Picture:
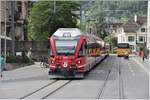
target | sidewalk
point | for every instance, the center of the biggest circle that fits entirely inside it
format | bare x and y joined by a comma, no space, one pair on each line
21,81
145,65
146,61
24,72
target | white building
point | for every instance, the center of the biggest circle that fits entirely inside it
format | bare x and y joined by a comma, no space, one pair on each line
134,33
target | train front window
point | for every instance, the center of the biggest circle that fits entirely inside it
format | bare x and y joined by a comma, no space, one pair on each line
66,47
123,45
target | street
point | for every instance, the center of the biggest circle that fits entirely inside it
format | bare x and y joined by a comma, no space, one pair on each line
113,78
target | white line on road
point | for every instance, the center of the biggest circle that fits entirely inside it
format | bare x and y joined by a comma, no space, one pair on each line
141,65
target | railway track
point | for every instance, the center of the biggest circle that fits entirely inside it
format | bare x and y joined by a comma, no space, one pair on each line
46,90
121,87
104,84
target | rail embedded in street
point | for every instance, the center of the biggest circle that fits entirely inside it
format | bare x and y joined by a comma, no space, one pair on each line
105,82
29,94
48,90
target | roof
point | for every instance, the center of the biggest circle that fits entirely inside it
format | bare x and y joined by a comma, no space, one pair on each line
132,26
141,20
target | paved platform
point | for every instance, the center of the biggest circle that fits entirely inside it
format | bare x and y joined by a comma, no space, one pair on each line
17,82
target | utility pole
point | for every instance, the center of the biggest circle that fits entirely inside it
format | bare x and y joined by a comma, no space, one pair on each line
80,14
0,39
13,26
148,27
5,45
54,6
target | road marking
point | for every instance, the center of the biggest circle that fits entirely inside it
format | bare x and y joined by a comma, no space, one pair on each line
141,65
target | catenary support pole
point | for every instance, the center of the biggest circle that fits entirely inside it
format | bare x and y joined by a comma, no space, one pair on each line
0,39
13,26
5,45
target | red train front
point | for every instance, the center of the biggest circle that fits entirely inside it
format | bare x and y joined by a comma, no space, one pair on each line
72,53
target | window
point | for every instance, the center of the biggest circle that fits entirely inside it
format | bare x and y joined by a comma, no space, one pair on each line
82,51
123,45
65,47
141,38
142,29
19,4
130,38
132,47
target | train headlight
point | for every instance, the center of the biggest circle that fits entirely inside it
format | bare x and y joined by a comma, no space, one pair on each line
65,64
79,62
52,62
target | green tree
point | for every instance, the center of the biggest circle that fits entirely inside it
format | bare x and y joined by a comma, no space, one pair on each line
112,41
43,20
96,18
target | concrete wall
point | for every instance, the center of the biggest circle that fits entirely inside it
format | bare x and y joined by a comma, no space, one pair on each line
39,48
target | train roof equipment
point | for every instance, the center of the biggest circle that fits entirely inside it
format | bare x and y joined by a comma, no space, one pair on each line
68,32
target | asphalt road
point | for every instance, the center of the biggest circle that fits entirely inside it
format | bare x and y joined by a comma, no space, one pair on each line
113,78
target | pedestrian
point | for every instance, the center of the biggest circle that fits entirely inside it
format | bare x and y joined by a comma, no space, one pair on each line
142,54
29,54
2,62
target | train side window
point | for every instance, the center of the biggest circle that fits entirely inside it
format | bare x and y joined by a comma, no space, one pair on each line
85,45
82,51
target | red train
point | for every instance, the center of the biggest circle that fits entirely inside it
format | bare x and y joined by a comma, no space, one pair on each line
73,53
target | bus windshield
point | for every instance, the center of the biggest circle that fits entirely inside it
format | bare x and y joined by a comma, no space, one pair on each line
66,47
123,45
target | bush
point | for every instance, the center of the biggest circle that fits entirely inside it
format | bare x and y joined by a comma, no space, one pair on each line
18,59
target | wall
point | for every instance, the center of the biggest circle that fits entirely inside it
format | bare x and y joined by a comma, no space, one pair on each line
39,48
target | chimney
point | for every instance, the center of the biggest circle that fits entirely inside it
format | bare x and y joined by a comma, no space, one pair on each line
135,18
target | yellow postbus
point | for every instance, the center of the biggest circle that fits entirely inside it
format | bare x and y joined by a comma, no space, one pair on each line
123,49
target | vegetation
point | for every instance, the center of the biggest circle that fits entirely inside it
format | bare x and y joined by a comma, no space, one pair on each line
112,40
44,20
18,59
102,11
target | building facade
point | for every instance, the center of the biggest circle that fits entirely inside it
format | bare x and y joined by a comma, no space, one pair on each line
134,32
13,15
